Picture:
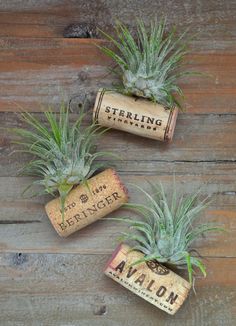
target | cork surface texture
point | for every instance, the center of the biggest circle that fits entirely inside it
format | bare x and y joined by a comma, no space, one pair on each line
151,281
85,204
49,280
135,115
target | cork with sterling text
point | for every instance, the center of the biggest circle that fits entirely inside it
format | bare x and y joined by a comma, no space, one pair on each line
87,203
150,280
134,115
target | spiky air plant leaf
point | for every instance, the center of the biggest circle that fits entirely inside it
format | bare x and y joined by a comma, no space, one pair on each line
63,153
166,231
149,61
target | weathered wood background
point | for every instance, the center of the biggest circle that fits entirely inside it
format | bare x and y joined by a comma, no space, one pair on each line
45,280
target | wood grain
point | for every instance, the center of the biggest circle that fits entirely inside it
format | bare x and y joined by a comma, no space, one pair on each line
30,230
36,72
187,146
214,21
56,289
39,67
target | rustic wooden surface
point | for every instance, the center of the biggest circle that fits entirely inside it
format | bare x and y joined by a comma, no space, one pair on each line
46,280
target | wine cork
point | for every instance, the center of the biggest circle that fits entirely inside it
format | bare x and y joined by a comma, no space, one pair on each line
150,280
135,115
85,204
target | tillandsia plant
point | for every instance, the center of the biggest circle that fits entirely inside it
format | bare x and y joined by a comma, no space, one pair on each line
160,238
64,153
64,156
149,61
167,230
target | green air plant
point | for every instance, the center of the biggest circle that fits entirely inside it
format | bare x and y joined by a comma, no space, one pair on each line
149,61
63,152
167,231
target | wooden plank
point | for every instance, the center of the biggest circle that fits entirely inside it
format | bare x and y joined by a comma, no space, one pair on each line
187,145
213,20
188,154
140,167
77,67
25,226
57,289
25,29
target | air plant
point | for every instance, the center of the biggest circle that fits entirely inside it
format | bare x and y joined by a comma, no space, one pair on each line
63,153
149,61
167,230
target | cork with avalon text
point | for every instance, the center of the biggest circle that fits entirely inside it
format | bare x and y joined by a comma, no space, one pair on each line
135,115
150,280
85,204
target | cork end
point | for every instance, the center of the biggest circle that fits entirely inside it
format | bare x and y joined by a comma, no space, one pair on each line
121,184
171,125
114,254
187,287
97,104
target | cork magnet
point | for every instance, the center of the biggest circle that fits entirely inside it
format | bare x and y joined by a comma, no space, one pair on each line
150,280
134,115
87,203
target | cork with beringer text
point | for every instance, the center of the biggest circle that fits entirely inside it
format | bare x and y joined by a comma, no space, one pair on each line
150,280
134,115
87,203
